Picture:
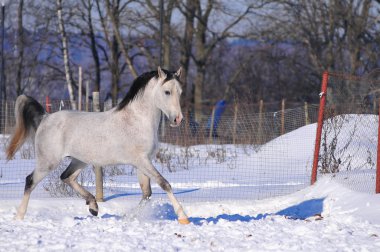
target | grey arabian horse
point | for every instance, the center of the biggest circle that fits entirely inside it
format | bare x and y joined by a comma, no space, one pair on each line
127,134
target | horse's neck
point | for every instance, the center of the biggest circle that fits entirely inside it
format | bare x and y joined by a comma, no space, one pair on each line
145,106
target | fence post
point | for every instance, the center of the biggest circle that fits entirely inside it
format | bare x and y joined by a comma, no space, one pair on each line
322,103
283,116
212,125
374,106
234,125
95,102
48,104
98,169
162,124
80,89
87,94
6,119
378,156
306,108
260,131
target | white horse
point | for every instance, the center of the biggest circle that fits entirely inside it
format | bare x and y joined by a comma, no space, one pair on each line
127,134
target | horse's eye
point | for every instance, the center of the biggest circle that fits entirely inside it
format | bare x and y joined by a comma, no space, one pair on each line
167,92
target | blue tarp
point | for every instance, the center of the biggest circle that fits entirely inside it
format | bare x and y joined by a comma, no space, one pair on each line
220,107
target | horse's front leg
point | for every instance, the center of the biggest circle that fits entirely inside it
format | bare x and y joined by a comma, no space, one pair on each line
145,166
144,182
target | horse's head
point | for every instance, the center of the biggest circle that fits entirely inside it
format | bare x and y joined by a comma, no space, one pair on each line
167,95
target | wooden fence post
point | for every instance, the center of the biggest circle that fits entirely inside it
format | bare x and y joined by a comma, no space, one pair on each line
374,105
98,169
6,118
234,125
260,131
163,124
283,116
377,189
211,131
95,102
306,108
87,95
80,89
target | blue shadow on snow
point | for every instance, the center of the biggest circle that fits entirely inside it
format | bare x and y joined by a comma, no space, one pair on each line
303,210
119,195
300,211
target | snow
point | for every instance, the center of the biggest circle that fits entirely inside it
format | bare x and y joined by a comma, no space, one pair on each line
327,216
350,223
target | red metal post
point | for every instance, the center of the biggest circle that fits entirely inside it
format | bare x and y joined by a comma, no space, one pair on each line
322,103
48,104
378,156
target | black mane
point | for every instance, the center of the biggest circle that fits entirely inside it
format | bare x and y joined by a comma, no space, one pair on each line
139,85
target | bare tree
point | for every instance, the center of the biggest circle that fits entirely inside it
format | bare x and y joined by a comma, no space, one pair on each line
338,34
166,28
65,52
20,47
86,14
112,54
113,11
206,41
186,42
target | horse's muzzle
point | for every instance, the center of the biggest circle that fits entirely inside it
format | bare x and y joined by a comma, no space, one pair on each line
177,121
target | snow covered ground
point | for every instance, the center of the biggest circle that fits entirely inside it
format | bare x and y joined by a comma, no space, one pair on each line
350,223
219,195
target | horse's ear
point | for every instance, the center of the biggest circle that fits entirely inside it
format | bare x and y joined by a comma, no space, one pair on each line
161,74
179,72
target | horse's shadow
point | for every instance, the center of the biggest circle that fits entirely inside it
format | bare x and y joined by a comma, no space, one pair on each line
300,211
303,210
119,195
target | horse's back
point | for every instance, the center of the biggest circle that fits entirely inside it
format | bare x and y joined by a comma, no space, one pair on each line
99,138
64,133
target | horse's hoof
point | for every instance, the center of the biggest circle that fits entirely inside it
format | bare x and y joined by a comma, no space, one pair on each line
93,212
17,217
184,221
144,202
93,208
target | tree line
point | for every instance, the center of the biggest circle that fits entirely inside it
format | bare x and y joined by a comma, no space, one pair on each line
241,50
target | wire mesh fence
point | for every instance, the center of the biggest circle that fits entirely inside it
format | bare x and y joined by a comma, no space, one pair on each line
237,154
235,151
350,131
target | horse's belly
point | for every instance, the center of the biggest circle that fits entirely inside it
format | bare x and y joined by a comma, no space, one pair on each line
112,153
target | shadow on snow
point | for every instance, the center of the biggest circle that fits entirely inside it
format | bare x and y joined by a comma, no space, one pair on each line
119,195
300,211
303,210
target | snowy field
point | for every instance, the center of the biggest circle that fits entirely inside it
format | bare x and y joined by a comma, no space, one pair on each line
221,200
350,223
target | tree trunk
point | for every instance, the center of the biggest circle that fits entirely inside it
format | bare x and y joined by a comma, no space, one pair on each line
166,34
198,88
66,59
186,46
115,71
20,48
94,50
200,57
115,25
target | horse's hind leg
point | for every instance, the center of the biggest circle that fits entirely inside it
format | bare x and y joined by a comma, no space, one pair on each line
70,175
31,182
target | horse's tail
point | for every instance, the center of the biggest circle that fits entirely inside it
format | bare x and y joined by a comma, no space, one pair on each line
29,114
